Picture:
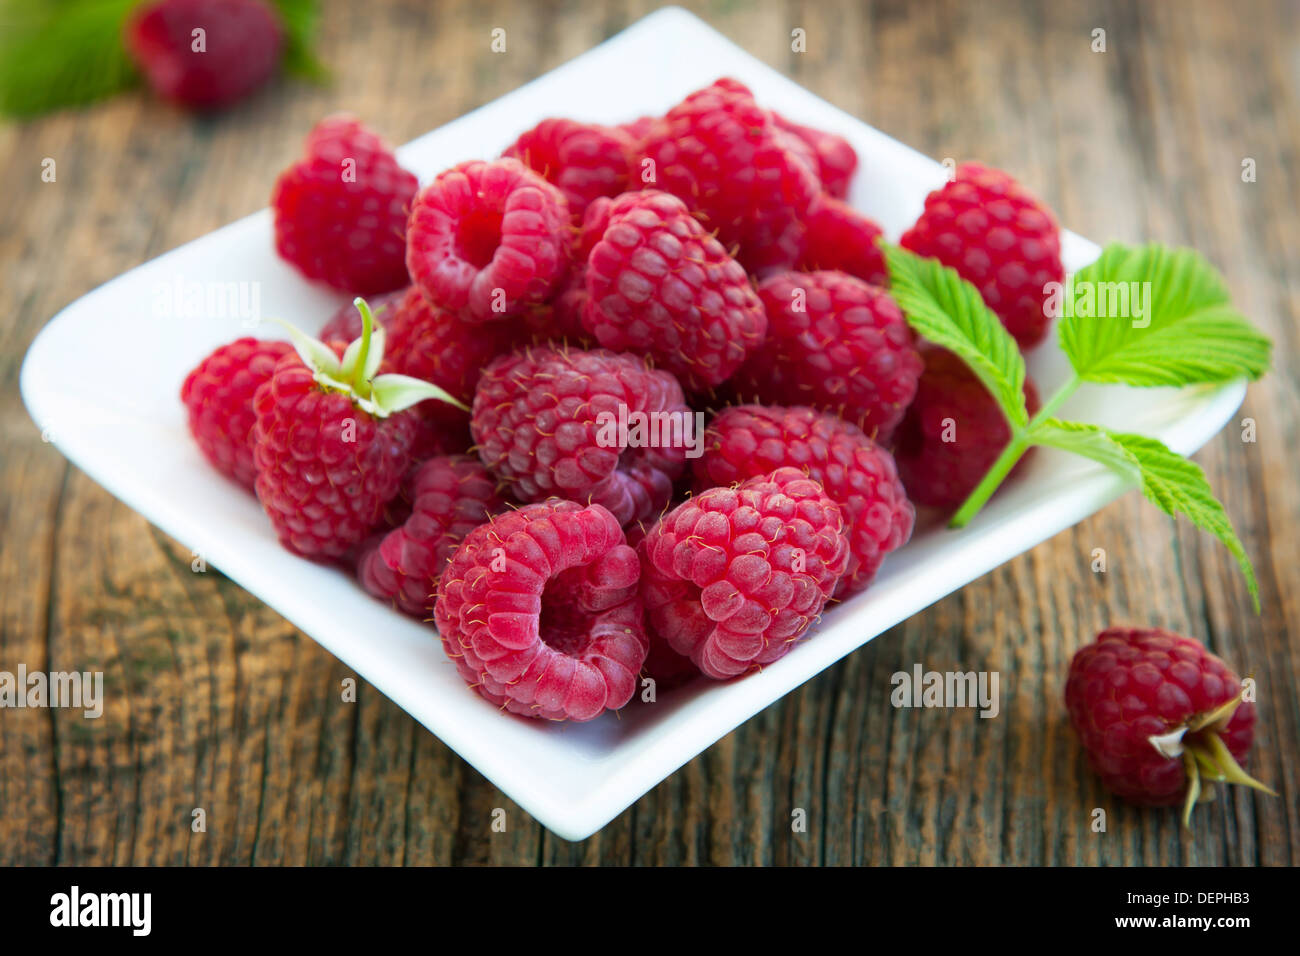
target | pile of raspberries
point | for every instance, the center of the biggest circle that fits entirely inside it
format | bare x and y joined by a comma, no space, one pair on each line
705,261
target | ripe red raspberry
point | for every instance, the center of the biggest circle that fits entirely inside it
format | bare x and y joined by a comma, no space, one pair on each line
834,159
834,343
838,237
333,441
325,469
952,433
734,576
487,240
1156,711
720,153
449,496
540,612
857,474
241,45
583,160
1000,238
545,421
659,285
340,212
218,397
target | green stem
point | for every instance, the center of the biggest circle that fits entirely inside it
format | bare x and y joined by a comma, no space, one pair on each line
1021,439
367,323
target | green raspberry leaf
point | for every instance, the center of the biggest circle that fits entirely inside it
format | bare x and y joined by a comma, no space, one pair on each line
299,18
947,310
1151,315
61,53
1175,484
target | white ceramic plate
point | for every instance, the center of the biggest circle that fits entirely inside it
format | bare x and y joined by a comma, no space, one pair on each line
573,778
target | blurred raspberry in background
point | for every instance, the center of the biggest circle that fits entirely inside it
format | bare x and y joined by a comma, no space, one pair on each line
200,54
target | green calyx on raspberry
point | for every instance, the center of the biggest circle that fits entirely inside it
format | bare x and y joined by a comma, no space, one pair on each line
1205,755
354,374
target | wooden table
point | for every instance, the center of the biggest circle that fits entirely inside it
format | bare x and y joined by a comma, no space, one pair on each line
216,702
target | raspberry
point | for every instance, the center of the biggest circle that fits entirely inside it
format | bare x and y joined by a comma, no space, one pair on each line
952,433
333,441
838,237
834,343
218,397
242,43
340,212
720,153
834,160
486,240
734,576
325,469
540,612
583,160
658,284
856,473
1149,705
1000,238
544,420
450,496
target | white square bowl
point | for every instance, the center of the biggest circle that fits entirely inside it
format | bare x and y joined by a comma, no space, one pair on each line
573,778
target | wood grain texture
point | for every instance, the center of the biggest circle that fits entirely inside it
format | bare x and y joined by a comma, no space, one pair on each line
214,701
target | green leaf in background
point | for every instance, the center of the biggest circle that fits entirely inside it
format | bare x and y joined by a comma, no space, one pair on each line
1189,332
1172,482
945,309
56,54
299,18
59,53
